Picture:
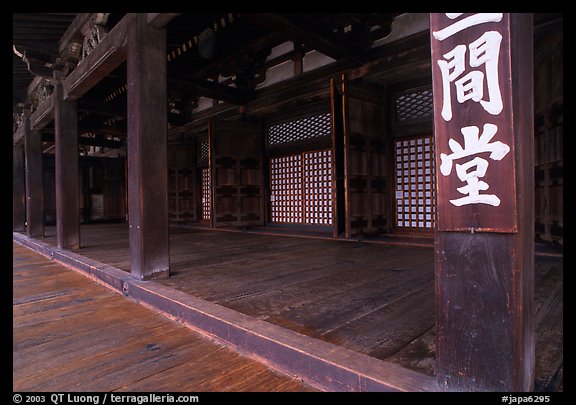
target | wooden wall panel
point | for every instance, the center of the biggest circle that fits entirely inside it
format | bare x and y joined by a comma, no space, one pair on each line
18,190
365,183
236,170
183,182
549,137
33,177
114,189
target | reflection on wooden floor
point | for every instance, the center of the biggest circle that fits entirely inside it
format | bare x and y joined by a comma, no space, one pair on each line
372,298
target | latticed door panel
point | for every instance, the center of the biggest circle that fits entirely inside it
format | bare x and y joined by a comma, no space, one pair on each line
415,207
286,189
301,188
206,200
318,187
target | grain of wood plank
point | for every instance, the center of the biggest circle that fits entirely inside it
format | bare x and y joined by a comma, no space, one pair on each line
111,343
332,290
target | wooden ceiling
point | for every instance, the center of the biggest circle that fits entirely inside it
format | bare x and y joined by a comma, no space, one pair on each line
216,55
35,35
235,64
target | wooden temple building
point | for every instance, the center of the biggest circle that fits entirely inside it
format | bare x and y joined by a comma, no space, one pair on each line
363,201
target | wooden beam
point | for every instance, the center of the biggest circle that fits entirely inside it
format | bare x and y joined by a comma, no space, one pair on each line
102,108
18,136
32,86
214,65
107,56
18,190
34,180
160,20
330,43
484,248
43,115
75,31
82,140
66,161
395,57
147,150
201,87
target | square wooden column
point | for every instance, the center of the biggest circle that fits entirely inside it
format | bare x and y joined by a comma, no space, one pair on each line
18,190
66,160
482,72
147,150
34,180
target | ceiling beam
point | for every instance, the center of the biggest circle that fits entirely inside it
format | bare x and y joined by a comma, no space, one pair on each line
160,20
303,29
106,57
75,31
266,41
201,87
43,115
101,108
83,140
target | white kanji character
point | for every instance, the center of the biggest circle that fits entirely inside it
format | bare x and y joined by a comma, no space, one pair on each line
473,145
451,68
474,19
485,50
475,185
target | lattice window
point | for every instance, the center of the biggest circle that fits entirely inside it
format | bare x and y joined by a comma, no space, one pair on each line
297,130
206,193
414,105
318,187
204,149
301,188
286,189
415,196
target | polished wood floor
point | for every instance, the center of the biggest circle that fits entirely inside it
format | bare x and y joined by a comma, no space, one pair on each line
71,334
373,298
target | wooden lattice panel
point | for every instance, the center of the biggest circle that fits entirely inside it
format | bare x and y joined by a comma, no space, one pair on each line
414,105
204,149
300,129
286,189
206,201
318,187
415,183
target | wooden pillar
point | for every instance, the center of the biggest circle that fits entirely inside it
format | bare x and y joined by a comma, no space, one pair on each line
66,161
18,190
147,150
34,180
482,69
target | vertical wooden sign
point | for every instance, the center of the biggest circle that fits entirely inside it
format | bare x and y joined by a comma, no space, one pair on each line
484,244
473,122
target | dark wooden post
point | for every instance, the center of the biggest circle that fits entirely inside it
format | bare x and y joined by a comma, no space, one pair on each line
147,150
18,190
482,69
34,180
66,160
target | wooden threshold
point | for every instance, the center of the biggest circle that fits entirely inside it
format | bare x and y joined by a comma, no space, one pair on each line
298,232
321,364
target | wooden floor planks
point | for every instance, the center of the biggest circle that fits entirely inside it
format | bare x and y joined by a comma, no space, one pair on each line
372,298
71,334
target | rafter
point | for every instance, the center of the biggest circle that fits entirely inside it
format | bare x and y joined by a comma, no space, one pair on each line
83,140
330,43
209,89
